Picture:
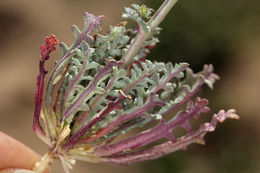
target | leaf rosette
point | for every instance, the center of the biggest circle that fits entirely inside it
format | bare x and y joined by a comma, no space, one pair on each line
91,98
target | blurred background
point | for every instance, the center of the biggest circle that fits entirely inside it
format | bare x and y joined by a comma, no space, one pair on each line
223,33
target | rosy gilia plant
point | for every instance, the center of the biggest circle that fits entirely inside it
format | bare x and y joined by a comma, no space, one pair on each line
103,86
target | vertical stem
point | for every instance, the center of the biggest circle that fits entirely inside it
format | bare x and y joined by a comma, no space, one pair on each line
48,158
44,163
161,13
128,57
140,38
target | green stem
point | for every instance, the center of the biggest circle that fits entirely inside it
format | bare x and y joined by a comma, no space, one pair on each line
142,36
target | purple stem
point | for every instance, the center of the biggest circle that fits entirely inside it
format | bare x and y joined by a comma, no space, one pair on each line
83,117
92,24
205,74
46,49
138,80
162,130
38,97
169,147
124,118
57,100
74,138
170,76
106,70
139,111
74,81
188,96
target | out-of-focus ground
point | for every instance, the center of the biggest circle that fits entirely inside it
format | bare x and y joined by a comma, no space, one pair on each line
196,32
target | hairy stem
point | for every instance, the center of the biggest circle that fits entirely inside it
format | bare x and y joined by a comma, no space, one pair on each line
140,38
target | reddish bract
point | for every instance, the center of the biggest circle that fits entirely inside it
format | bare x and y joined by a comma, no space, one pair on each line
49,45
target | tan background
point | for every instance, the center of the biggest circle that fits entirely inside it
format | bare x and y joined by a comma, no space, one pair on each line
25,23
